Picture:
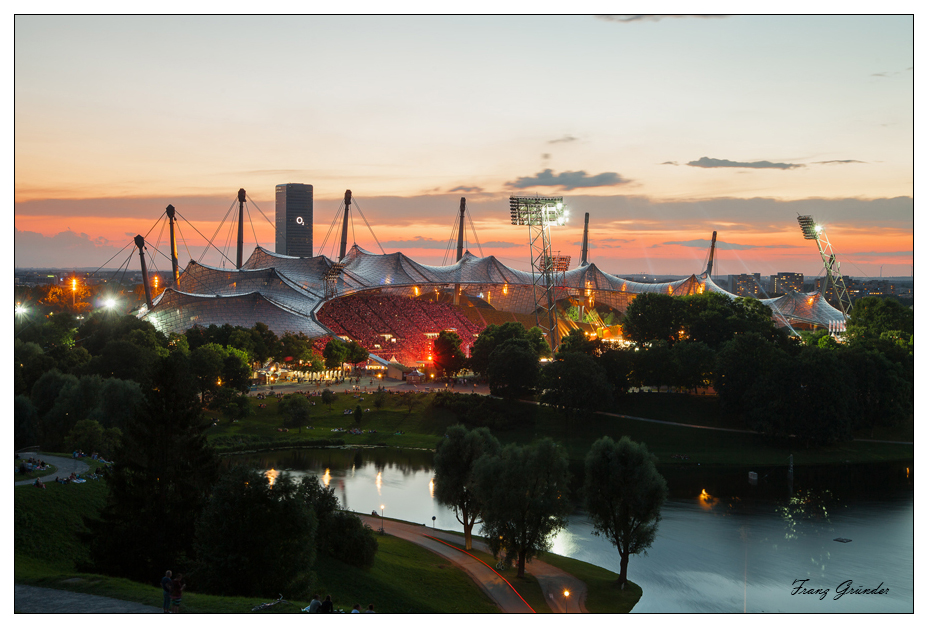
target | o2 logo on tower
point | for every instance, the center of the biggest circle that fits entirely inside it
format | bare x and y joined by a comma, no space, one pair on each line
300,220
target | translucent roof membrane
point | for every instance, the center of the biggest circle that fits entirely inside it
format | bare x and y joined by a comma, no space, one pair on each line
284,292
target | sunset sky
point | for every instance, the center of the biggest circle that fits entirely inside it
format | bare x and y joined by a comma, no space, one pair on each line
664,129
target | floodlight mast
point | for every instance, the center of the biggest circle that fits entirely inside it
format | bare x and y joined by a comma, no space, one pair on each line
539,213
813,231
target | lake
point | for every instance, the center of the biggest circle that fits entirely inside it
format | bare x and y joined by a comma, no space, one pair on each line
723,545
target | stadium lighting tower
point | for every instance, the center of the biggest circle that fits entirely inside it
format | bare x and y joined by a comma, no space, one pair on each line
813,231
540,213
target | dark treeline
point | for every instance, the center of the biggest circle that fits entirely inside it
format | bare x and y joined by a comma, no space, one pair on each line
811,387
118,387
814,388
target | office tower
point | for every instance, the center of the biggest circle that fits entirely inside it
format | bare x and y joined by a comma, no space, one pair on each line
745,285
293,218
782,282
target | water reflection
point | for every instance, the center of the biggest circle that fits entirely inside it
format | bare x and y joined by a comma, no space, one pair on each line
722,545
272,476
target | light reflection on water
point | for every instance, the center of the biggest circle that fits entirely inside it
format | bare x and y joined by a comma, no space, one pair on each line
712,553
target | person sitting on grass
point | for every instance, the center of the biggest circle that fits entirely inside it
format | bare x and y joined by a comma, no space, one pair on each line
39,483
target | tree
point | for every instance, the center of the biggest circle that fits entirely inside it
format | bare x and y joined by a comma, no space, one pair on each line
409,400
524,491
207,362
355,354
454,472
652,316
380,398
623,494
237,371
577,341
654,365
739,363
296,408
238,408
89,436
808,396
447,354
328,398
694,364
513,369
617,365
575,384
339,534
872,316
493,336
255,538
335,353
164,469
25,423
358,415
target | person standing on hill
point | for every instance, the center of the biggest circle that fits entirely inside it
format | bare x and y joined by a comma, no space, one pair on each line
166,587
177,590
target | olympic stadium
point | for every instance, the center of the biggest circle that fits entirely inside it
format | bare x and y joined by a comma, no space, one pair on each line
395,306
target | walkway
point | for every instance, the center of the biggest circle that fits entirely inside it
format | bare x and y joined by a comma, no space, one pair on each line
28,599
552,580
64,467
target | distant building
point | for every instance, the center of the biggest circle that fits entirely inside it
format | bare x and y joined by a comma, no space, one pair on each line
745,285
829,293
781,283
293,217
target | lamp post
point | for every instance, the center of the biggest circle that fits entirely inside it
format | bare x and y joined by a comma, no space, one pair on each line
382,518
566,594
73,292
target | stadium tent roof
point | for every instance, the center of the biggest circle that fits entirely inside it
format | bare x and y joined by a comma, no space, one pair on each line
285,292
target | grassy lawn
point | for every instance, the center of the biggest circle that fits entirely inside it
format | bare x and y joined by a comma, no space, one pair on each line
424,427
603,594
421,427
404,578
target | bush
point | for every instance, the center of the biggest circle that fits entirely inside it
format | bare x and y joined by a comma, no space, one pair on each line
483,411
340,534
355,543
254,538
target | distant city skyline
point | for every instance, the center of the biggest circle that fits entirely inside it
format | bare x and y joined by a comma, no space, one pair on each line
663,129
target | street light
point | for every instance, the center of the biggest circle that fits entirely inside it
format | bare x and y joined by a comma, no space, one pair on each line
382,518
73,291
566,594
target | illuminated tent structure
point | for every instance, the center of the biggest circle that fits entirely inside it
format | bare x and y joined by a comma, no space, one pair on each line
286,293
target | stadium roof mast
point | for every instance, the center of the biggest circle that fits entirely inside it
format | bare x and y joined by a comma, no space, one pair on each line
539,214
240,239
584,243
348,206
709,264
460,252
169,210
813,231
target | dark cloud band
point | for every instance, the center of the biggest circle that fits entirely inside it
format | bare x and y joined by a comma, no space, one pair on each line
710,162
568,180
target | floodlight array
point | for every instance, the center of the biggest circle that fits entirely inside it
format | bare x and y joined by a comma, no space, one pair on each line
810,231
537,210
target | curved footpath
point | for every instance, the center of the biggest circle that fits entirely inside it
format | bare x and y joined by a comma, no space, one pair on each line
65,466
552,580
28,599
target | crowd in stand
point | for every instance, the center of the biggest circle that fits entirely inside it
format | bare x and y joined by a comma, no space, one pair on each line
369,319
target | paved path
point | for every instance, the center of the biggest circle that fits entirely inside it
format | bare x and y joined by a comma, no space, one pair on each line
496,588
28,599
553,581
64,466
